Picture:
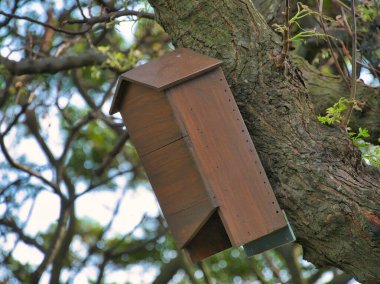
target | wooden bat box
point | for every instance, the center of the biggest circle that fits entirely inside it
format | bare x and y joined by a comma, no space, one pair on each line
199,157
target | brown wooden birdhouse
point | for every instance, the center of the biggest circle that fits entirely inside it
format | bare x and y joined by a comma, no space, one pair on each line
199,156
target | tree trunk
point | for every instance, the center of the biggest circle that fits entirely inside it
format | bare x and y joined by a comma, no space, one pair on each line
330,196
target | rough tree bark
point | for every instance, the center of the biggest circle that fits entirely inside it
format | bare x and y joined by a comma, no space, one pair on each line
330,196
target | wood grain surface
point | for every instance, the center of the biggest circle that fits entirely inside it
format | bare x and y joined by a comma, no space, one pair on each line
180,190
149,118
226,157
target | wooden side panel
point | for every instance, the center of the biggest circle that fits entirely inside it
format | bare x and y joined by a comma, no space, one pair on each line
211,239
227,157
149,118
180,190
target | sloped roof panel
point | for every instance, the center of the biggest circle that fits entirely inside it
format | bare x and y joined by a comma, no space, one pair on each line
162,73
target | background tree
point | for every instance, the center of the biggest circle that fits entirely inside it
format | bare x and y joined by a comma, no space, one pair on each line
59,63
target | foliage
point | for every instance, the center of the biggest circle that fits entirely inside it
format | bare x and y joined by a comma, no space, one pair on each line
302,12
334,114
370,152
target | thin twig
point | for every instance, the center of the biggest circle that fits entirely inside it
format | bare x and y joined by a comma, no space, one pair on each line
346,119
23,168
9,15
347,26
206,272
108,93
15,120
11,224
73,134
31,122
368,66
342,52
17,182
88,22
341,4
119,145
113,15
272,267
81,10
322,24
7,20
93,186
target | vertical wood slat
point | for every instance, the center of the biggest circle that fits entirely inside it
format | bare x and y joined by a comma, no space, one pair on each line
227,157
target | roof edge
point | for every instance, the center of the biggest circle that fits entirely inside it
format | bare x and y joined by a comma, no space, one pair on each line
130,76
174,82
116,101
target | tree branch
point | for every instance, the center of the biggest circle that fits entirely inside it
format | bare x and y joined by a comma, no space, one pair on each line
80,9
292,264
111,155
55,244
168,270
32,123
87,22
74,131
81,89
111,16
25,168
346,119
53,64
63,251
84,30
8,19
26,239
275,270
